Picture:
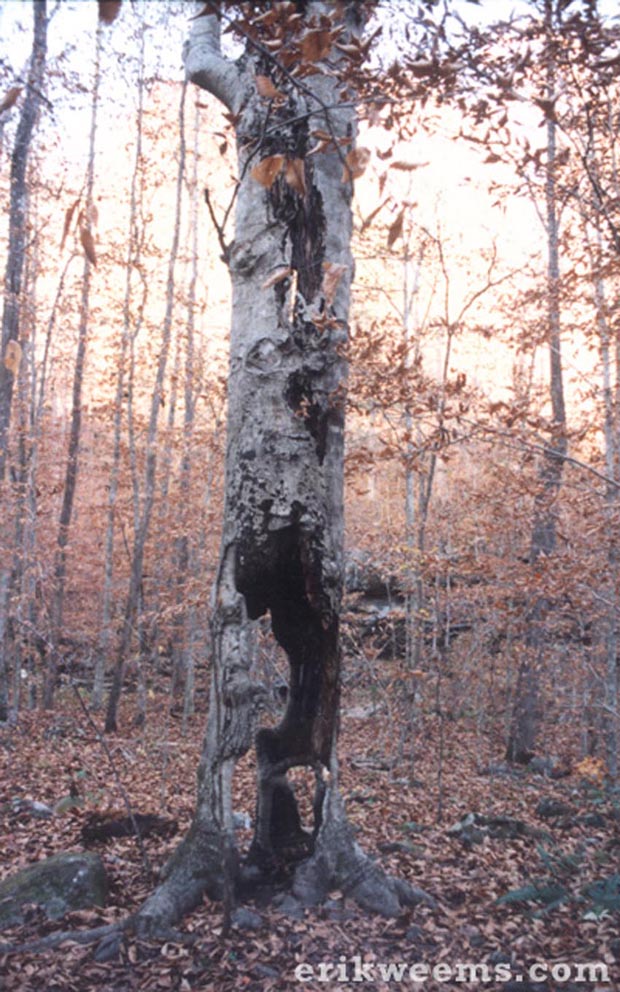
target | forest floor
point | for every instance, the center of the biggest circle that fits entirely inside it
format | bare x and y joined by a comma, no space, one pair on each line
552,845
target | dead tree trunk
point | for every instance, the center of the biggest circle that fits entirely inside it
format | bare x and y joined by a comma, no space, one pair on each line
281,551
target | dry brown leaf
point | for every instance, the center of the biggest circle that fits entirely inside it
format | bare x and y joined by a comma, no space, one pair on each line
315,45
304,69
283,272
396,229
371,216
69,212
321,146
267,19
422,67
356,161
88,244
351,50
12,357
10,99
288,58
407,166
266,88
268,170
295,175
109,10
324,140
332,274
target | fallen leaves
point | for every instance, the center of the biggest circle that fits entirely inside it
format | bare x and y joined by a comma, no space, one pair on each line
393,813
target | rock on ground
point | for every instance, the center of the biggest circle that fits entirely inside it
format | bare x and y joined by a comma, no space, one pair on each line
58,885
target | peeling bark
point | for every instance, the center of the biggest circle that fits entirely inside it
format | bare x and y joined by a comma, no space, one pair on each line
282,536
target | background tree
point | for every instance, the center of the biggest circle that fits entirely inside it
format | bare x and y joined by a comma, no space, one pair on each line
18,215
13,278
86,222
526,715
150,475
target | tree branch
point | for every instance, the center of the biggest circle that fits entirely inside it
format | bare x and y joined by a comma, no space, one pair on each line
205,65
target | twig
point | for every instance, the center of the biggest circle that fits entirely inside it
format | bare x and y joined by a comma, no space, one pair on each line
516,444
219,228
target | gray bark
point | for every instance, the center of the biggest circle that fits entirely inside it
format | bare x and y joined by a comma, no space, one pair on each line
282,538
18,211
13,290
185,619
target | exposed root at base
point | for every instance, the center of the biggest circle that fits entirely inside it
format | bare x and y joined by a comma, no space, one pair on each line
104,934
359,878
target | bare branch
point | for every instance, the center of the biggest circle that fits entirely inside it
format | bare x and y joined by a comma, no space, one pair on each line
205,65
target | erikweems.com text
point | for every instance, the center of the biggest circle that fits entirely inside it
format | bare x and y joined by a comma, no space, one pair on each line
356,969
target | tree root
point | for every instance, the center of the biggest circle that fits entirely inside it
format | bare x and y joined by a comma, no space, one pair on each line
108,938
54,940
339,863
